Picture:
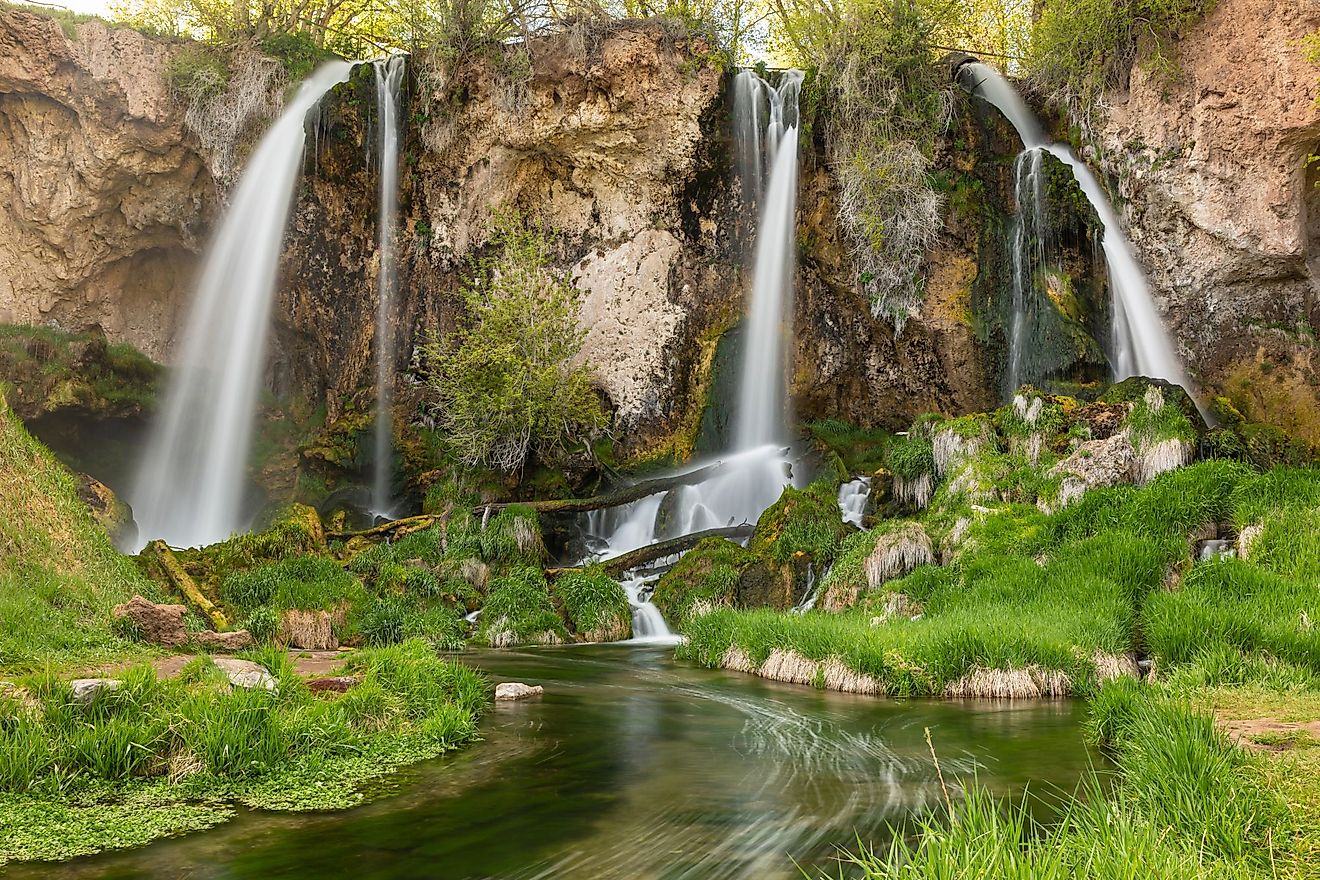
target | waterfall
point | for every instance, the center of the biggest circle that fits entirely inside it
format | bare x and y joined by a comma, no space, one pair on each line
853,496
752,476
762,386
389,74
189,488
1139,343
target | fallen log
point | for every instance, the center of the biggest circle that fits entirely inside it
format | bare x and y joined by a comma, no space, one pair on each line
168,565
626,495
651,552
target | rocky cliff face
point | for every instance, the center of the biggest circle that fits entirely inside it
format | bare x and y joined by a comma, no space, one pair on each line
103,203
1223,208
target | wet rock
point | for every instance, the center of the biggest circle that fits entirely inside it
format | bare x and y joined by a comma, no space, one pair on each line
509,691
86,689
224,642
108,510
246,674
158,624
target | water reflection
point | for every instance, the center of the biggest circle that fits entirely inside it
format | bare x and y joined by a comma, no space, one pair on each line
632,766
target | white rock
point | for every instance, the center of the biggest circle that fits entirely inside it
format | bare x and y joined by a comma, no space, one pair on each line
86,689
516,690
246,674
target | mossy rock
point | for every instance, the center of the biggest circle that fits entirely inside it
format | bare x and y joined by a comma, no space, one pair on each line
1133,390
802,523
706,577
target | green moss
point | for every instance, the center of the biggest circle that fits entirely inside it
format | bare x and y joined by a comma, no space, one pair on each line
49,370
594,603
802,522
707,574
73,774
862,450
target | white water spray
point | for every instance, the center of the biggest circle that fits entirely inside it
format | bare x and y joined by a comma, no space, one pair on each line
389,74
853,496
1140,344
189,488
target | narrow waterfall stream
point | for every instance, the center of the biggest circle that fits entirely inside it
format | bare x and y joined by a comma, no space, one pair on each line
752,477
389,76
189,488
1139,343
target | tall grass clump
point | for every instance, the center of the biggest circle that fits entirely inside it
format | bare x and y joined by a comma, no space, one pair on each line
596,606
518,611
305,582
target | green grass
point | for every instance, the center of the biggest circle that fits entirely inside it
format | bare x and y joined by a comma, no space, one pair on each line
309,583
1185,804
518,610
594,603
706,574
59,574
156,756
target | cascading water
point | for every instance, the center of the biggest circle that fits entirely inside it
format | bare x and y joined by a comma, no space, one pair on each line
389,75
1140,345
853,496
189,488
752,477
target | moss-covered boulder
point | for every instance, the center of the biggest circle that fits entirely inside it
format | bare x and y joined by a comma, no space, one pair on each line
595,605
48,370
706,577
794,540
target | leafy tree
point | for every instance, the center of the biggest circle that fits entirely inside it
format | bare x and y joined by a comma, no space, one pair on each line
509,383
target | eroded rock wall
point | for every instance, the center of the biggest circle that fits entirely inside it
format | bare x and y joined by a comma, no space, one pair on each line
104,205
1222,207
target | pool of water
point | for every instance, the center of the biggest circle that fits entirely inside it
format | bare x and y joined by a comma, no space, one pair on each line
635,766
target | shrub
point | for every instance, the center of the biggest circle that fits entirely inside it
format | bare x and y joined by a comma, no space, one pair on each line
505,385
197,72
302,582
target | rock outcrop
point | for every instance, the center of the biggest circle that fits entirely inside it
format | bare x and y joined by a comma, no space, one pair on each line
1222,205
103,202
159,624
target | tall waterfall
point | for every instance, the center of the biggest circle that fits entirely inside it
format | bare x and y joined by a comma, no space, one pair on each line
751,477
189,488
762,386
389,75
1139,343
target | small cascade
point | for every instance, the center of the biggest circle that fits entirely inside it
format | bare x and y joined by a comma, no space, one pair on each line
813,591
1029,233
389,76
853,496
753,476
1139,343
189,488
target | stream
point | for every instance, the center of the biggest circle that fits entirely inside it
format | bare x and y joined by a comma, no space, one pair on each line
634,765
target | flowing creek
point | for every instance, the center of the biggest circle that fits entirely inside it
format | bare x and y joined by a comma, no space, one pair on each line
634,765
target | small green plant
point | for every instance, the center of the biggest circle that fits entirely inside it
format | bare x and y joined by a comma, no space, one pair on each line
198,72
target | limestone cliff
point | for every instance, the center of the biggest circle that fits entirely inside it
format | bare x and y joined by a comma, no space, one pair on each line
1223,208
103,202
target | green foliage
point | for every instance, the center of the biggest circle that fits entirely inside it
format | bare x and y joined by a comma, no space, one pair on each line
198,72
298,52
79,774
263,624
860,449
302,582
518,610
911,456
1187,806
707,574
504,383
59,575
594,603
884,101
802,521
1082,47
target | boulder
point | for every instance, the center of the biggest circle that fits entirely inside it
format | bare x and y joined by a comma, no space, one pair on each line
509,691
86,689
108,510
1095,464
158,624
246,674
224,642
309,630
